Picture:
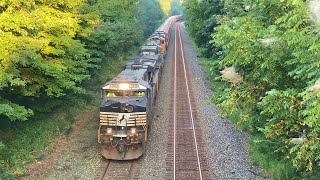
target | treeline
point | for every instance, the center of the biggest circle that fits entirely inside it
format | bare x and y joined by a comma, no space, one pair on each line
171,7
268,51
50,48
175,8
52,51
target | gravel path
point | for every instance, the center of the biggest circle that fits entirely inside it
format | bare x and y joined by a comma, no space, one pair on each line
226,150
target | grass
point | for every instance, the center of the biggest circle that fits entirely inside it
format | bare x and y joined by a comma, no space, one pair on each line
29,142
26,142
262,154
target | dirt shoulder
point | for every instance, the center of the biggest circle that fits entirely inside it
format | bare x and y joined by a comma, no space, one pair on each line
69,154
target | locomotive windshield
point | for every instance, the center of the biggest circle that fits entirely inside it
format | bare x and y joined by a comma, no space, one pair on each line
124,93
156,39
149,51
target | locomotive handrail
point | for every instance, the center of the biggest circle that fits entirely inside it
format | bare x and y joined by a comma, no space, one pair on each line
135,119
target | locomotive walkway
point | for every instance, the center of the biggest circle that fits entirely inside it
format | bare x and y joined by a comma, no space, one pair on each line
185,155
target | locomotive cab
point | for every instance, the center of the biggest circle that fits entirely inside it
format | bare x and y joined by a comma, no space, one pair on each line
123,120
150,49
126,108
162,41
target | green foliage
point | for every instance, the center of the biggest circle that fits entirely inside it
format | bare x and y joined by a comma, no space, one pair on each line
274,46
150,14
14,111
54,57
272,60
41,54
263,153
26,144
175,8
52,48
115,31
5,176
201,18
233,8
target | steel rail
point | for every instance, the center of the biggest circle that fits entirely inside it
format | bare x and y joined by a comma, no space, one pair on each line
112,167
189,102
105,171
130,172
174,103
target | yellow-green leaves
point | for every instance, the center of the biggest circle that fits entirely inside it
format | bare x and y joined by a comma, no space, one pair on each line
39,52
50,47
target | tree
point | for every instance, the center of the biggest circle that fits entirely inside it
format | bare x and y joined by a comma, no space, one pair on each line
52,48
175,8
165,5
150,16
275,48
41,54
201,18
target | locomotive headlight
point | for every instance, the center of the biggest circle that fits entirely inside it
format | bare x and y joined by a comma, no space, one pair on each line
109,131
124,86
133,130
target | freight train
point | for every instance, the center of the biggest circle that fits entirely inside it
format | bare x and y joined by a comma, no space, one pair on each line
128,100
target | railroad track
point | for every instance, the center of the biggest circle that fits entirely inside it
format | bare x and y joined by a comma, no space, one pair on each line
119,170
186,156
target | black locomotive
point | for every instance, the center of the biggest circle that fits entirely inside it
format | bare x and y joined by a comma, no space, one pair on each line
127,105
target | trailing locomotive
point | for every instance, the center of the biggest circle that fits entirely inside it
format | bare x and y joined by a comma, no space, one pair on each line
128,100
161,35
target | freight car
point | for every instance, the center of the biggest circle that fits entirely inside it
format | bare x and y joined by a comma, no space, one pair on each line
128,100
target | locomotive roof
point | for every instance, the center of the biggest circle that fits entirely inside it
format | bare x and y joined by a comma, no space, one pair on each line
129,76
149,47
159,32
135,70
145,61
155,36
